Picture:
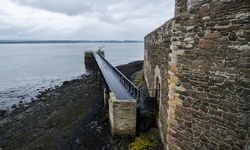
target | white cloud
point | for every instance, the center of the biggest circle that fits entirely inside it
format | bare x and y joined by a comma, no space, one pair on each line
82,20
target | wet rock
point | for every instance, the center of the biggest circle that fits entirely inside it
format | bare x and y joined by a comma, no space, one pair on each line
2,122
130,68
39,96
13,106
3,112
146,120
65,82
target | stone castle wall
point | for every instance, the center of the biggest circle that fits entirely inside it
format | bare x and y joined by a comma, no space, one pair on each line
157,49
199,62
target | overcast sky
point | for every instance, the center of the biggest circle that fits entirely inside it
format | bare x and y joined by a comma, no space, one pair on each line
82,19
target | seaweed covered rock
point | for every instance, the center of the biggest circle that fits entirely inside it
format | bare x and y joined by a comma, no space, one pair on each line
149,140
130,68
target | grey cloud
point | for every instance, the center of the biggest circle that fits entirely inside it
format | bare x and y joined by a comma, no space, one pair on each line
88,7
86,19
12,32
69,7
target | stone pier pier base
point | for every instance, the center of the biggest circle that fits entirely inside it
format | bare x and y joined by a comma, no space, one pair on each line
122,114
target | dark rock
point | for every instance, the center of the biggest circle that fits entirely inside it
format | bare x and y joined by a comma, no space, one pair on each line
146,120
230,117
203,108
188,124
130,68
3,112
13,106
215,112
66,82
39,96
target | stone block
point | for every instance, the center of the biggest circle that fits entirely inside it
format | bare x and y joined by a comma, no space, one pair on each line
230,117
173,68
240,33
214,35
188,39
244,70
227,104
203,108
188,124
224,146
190,22
178,113
173,79
206,44
173,122
216,6
176,43
206,18
244,65
215,112
190,28
230,5
233,27
214,106
223,22
232,36
188,46
221,28
197,64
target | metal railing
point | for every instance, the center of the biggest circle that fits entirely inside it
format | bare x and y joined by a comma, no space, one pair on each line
133,90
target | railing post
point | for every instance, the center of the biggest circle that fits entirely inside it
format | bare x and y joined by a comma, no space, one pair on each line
139,95
100,82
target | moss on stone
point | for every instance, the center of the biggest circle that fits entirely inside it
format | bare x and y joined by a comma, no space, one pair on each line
138,78
144,141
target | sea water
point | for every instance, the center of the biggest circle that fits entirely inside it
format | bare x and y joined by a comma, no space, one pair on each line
26,69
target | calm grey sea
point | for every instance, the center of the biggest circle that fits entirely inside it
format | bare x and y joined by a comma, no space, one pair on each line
26,69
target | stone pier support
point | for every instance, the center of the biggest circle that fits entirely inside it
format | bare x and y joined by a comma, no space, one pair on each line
122,115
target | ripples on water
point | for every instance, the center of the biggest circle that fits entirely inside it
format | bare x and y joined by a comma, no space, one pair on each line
26,69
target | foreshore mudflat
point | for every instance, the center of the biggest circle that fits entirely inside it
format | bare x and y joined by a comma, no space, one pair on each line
68,117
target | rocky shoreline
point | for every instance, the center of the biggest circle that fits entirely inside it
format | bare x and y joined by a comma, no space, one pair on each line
53,118
68,117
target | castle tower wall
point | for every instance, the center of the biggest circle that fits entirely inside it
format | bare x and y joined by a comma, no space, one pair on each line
203,59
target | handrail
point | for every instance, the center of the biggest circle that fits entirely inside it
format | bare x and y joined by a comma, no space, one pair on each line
133,90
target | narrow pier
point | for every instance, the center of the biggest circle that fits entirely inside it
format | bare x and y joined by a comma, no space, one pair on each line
121,96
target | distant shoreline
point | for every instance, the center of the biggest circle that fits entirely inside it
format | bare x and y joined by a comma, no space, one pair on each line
64,41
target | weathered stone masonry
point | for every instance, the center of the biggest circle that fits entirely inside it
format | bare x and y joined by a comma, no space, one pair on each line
199,61
122,116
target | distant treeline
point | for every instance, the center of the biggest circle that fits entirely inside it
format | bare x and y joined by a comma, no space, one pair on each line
63,41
